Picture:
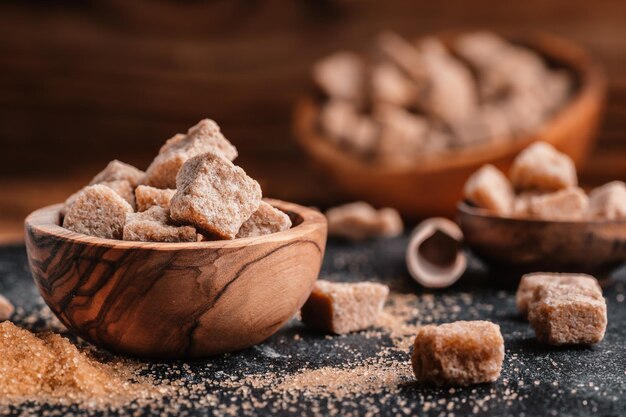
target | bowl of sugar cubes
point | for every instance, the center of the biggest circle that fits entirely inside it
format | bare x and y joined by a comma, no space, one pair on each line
405,125
537,218
183,260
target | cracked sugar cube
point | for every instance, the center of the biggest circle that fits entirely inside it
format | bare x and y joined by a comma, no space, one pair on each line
264,221
460,353
214,195
341,75
153,225
202,138
608,201
98,211
564,205
530,282
563,314
341,308
542,167
116,171
488,188
147,197
359,220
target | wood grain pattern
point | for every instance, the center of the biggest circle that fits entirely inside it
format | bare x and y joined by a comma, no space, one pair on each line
528,245
175,300
434,185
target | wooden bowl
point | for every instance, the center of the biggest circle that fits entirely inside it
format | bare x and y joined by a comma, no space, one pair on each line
433,186
595,247
175,300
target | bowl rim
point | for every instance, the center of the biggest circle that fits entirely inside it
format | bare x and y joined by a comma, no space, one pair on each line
591,87
46,222
465,209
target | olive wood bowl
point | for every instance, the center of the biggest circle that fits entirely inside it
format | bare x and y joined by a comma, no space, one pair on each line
596,247
433,185
175,300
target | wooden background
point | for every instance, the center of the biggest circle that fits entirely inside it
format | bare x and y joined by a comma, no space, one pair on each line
84,82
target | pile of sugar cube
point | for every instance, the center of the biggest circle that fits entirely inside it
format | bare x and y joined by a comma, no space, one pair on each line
191,192
543,184
409,100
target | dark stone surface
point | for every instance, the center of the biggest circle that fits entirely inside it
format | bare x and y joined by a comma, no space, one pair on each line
567,381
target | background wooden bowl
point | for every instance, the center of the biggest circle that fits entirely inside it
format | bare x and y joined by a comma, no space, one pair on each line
175,300
595,247
433,186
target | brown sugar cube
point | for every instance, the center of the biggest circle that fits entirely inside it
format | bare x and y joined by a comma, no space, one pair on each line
404,55
6,308
521,203
359,220
344,307
116,171
565,205
341,75
459,353
563,314
451,95
264,221
98,211
147,197
337,119
202,138
488,188
152,226
214,195
402,135
608,201
390,85
530,282
122,187
541,167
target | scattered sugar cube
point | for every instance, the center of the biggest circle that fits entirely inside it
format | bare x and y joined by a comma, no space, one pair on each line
202,138
488,188
564,314
390,85
152,226
264,221
565,205
214,195
541,167
344,307
530,282
122,187
608,201
359,220
98,211
341,75
459,353
147,197
117,170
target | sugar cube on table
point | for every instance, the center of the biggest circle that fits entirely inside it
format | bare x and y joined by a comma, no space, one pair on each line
146,197
530,282
459,353
98,211
488,188
264,221
542,167
201,138
342,308
153,225
563,314
214,195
